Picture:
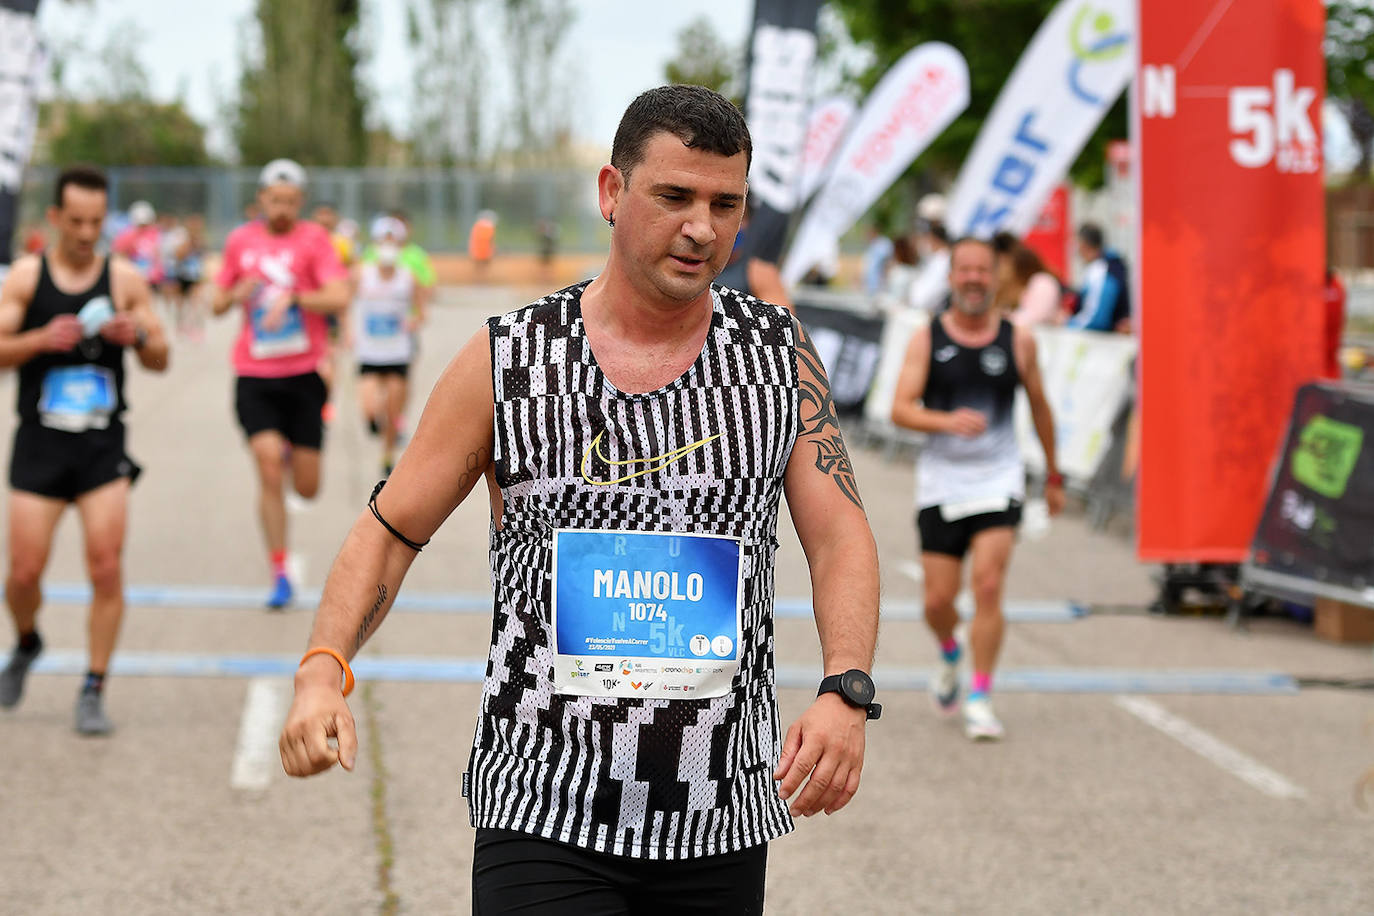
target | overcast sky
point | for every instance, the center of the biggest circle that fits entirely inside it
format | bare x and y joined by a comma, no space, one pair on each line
617,49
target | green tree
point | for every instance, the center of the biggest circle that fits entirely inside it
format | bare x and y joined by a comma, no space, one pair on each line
991,36
114,121
703,59
1349,51
126,132
541,99
450,95
300,94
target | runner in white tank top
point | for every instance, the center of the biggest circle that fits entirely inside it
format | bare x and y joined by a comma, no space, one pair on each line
387,313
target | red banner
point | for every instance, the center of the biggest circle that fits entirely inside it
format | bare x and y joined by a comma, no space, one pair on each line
1049,237
1232,249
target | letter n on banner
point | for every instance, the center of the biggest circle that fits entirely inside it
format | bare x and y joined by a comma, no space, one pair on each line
1227,111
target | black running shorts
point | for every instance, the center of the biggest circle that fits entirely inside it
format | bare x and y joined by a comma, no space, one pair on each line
401,369
63,465
290,405
953,538
520,873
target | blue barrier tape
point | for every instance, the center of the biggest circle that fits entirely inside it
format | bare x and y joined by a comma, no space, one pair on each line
445,669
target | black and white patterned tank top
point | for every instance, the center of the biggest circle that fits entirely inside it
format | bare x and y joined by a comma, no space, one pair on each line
646,777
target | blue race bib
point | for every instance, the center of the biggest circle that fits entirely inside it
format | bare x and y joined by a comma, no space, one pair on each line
383,325
641,614
77,398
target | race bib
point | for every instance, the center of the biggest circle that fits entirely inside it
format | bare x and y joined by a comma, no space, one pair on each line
289,339
383,326
77,398
639,614
953,512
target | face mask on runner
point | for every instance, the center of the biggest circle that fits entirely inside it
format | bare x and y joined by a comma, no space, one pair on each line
387,254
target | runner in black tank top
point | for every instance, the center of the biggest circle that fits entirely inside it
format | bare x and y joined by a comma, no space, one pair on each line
66,319
959,386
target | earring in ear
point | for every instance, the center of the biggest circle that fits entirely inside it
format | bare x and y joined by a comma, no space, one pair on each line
610,220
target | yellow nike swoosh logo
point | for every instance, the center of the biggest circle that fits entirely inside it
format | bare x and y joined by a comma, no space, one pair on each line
657,463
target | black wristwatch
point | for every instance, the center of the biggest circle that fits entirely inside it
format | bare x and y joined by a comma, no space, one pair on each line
856,688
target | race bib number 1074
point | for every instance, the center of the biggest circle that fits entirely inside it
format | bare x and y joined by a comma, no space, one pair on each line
645,614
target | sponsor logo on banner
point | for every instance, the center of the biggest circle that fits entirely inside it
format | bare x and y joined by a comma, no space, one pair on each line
1232,227
911,105
830,120
782,51
610,683
1072,71
604,666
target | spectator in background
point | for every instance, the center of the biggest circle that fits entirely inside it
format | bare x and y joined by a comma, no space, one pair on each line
548,242
930,289
901,273
35,239
1030,293
752,275
1104,302
140,242
1333,324
877,257
482,242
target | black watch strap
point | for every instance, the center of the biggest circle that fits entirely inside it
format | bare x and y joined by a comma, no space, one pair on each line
831,684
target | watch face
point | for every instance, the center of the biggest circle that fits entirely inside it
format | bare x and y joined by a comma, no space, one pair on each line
858,687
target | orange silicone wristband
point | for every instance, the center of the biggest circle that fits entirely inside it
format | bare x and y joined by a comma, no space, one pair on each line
343,663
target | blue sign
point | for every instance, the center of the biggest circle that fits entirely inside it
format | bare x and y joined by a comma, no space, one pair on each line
646,595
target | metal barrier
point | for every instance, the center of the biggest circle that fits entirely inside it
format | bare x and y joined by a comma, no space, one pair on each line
442,203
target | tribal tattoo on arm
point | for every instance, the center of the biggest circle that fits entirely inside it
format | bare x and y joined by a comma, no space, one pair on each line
366,626
823,426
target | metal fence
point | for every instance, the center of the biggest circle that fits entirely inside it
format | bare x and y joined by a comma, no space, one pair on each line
441,203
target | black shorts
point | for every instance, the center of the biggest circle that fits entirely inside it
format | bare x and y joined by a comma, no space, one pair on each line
290,405
520,873
401,369
63,465
953,538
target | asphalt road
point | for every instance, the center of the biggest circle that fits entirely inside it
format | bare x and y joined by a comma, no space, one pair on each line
1101,800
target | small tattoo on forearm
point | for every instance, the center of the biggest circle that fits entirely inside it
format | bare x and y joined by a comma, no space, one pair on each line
371,617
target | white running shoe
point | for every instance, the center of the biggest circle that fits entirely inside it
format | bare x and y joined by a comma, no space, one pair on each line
980,722
944,689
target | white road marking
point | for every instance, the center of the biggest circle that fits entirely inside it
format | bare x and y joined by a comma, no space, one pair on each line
256,757
1243,767
295,569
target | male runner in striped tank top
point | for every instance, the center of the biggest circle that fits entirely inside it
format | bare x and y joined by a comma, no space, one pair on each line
637,435
958,384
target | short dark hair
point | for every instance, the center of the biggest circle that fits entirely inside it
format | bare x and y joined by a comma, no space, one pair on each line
82,176
970,240
1090,234
700,118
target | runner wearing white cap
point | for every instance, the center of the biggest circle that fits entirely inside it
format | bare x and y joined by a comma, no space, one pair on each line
388,309
285,273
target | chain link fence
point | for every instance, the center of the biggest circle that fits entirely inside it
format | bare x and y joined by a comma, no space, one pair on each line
441,203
